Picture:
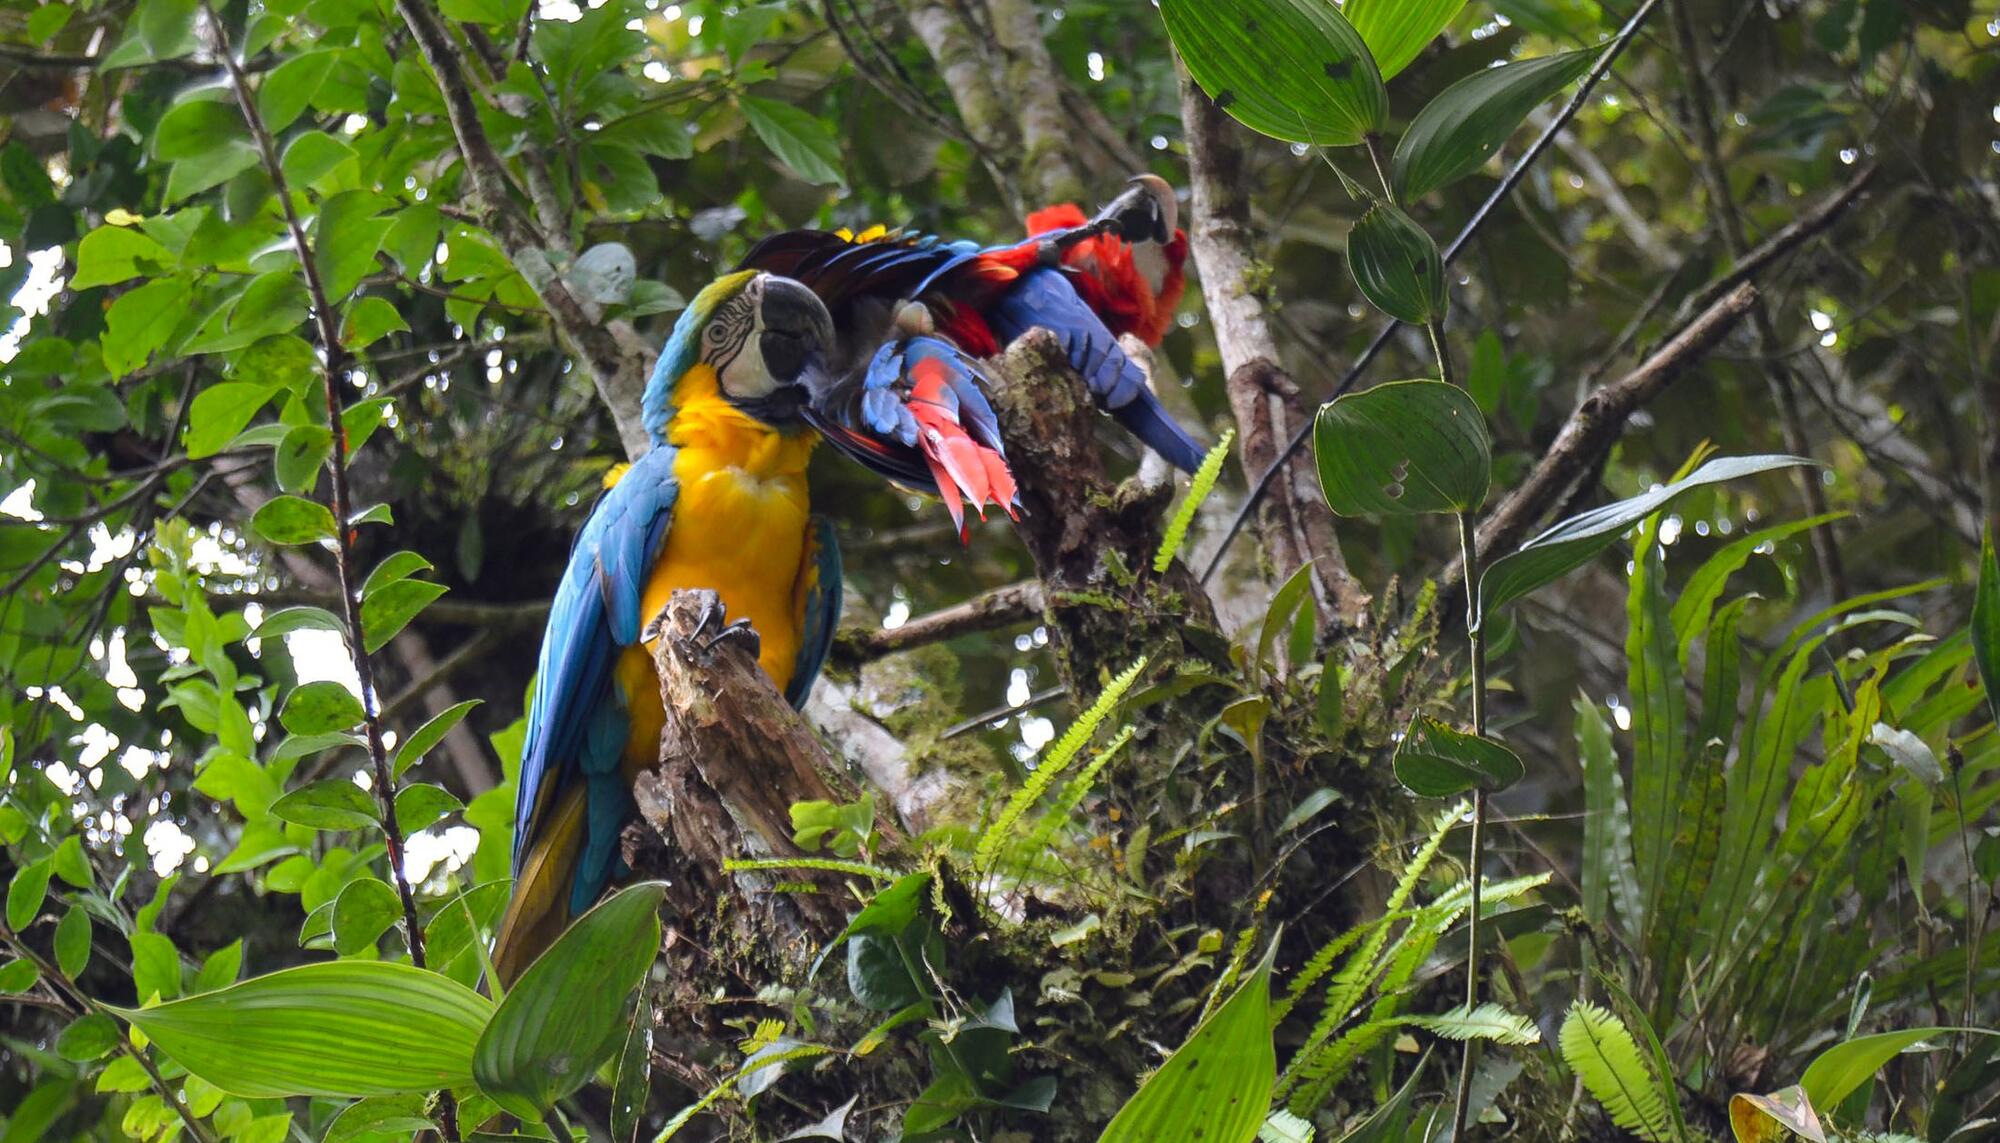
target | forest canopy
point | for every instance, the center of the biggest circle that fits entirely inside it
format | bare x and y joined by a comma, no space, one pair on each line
1497,639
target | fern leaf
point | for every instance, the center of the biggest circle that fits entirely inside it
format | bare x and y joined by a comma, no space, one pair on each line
1599,1048
1284,1127
823,864
1073,793
1052,766
1486,1022
1198,490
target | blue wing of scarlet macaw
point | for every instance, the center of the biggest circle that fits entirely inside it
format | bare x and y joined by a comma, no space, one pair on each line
981,299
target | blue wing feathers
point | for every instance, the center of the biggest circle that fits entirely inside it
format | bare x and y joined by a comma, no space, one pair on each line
822,615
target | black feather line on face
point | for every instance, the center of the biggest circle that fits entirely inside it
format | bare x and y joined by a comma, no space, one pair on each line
726,333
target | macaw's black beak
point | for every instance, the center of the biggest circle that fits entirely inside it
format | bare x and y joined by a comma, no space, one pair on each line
1145,212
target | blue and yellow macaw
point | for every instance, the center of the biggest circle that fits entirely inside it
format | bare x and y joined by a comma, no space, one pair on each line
1064,279
719,502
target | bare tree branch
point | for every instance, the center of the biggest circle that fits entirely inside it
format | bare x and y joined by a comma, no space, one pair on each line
987,611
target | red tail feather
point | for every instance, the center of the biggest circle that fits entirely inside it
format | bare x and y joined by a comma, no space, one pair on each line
959,464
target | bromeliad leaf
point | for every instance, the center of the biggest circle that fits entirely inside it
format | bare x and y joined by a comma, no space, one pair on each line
1402,449
563,1017
1577,540
1217,1086
1396,265
1435,761
344,1030
1292,69
1458,131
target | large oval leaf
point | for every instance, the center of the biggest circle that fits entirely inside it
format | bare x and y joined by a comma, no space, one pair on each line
1574,542
1435,761
1397,265
1459,130
1404,448
1291,69
344,1029
1396,30
1217,1086
564,1016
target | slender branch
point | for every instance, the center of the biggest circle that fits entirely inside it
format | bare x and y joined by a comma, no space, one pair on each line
1472,227
987,611
331,370
1476,636
1782,242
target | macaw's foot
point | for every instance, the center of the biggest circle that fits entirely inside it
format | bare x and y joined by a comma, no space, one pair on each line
711,629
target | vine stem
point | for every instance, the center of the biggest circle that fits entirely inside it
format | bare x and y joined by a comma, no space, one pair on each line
72,999
332,368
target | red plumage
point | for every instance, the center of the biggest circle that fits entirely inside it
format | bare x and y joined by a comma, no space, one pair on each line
959,465
1110,275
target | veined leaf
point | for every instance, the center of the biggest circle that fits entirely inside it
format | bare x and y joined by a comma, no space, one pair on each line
1435,761
1396,265
1486,1022
343,1029
1458,131
1292,69
1217,1086
1597,1046
1401,449
1397,30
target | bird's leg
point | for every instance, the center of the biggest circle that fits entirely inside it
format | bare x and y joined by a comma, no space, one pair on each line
710,629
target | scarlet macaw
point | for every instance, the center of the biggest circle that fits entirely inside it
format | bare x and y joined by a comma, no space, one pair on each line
719,502
1084,282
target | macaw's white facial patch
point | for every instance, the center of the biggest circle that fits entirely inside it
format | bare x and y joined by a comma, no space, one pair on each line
729,342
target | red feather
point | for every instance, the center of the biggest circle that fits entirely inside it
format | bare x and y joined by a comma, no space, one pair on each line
1106,272
959,464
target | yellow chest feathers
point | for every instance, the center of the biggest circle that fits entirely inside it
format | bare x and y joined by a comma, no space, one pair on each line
741,520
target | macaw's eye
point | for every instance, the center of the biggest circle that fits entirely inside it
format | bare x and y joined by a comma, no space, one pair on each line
784,353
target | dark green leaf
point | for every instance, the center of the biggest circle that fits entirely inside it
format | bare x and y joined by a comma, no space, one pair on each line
18,976
1396,265
801,140
1986,624
1397,30
140,321
221,968
1435,761
1458,131
369,320
90,1038
390,608
156,967
292,520
346,240
210,168
73,942
319,707
362,913
422,804
1292,69
1576,541
289,619
334,803
1847,1065
299,457
1404,448
878,976
196,126
1217,1086
564,1016
499,13
288,90
26,892
631,1083
343,1029
427,736
70,864
311,156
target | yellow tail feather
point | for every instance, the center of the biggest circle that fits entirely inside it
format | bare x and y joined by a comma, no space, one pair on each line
538,912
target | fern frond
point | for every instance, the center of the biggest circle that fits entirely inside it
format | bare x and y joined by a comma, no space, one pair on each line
1284,1127
823,864
1486,1022
1198,490
1074,791
1599,1048
1051,766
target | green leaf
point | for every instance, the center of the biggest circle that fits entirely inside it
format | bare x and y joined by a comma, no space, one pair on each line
1216,1087
18,976
1401,449
156,967
288,90
71,865
140,321
112,254
26,892
369,320
499,13
292,520
344,1030
395,566
1986,624
309,158
800,139
564,1016
1396,265
333,803
195,126
289,619
1397,30
362,913
1695,602
1198,491
220,412
1292,69
346,240
1576,541
47,20
389,609
319,707
91,1038
221,968
73,942
1602,1053
299,457
1610,877
1435,761
1486,1022
412,749
210,169
631,1083
1458,131
1847,1065
422,804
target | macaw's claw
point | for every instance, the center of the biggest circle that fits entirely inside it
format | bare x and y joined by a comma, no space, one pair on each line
711,628
739,630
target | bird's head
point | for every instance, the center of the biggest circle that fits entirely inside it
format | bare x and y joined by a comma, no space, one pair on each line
767,338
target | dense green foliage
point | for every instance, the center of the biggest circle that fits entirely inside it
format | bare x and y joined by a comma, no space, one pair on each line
310,369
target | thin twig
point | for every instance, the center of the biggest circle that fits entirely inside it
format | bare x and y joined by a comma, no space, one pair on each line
1472,227
987,611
